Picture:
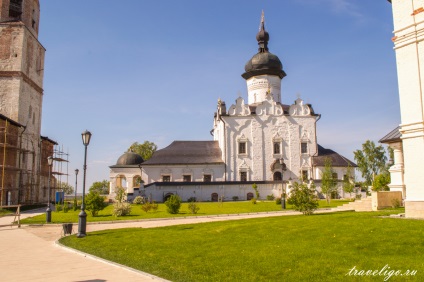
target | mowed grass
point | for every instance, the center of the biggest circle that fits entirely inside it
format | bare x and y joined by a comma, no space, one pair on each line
321,247
206,208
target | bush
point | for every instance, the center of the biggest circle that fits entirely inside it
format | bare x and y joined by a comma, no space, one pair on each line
146,207
138,200
65,206
191,199
193,208
154,206
278,201
173,204
121,209
255,187
235,198
94,203
270,197
58,207
303,198
75,204
253,201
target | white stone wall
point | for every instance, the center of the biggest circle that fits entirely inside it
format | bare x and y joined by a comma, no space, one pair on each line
260,131
154,173
408,18
258,86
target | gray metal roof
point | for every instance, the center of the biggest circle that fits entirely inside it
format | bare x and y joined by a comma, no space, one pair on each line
392,136
337,160
187,152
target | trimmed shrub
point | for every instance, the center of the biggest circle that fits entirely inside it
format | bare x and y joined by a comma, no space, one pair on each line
121,209
235,198
138,200
278,201
173,204
146,207
270,197
94,203
191,199
65,206
193,208
58,207
253,201
154,206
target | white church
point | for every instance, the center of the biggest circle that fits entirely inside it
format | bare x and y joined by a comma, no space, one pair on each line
257,140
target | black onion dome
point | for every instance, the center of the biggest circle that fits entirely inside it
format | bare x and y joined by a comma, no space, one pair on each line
129,158
264,62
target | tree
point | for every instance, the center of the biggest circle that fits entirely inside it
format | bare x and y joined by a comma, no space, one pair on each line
101,187
303,198
381,182
94,203
349,180
328,183
145,150
371,161
65,187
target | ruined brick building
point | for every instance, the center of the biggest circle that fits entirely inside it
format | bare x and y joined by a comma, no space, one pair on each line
23,151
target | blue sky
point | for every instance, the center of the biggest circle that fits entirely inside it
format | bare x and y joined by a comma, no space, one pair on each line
138,70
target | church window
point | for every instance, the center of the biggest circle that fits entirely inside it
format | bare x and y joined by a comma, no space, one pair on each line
277,148
186,178
207,178
304,148
166,178
15,8
243,175
305,175
242,147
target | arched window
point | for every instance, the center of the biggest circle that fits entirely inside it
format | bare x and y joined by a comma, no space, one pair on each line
249,196
121,181
277,176
214,197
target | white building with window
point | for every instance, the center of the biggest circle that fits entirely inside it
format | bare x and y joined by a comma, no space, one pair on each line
260,140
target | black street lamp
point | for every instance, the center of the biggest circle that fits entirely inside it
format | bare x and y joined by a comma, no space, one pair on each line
76,184
283,188
48,210
82,217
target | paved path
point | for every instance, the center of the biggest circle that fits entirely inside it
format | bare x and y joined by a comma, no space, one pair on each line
30,253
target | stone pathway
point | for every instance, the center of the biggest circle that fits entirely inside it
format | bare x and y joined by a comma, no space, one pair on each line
30,253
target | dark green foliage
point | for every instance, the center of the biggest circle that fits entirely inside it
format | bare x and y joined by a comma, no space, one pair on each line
235,198
145,150
173,204
75,204
381,182
303,198
270,197
278,201
328,183
94,203
191,199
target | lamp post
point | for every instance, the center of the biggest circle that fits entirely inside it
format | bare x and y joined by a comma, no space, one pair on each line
76,184
48,210
82,217
283,189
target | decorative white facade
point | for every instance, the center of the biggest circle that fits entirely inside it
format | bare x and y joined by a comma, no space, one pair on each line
408,18
262,141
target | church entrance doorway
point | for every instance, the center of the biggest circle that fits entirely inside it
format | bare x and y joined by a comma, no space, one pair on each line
166,196
277,176
249,196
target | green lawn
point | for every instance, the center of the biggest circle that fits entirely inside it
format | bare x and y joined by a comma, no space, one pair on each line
321,247
206,208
